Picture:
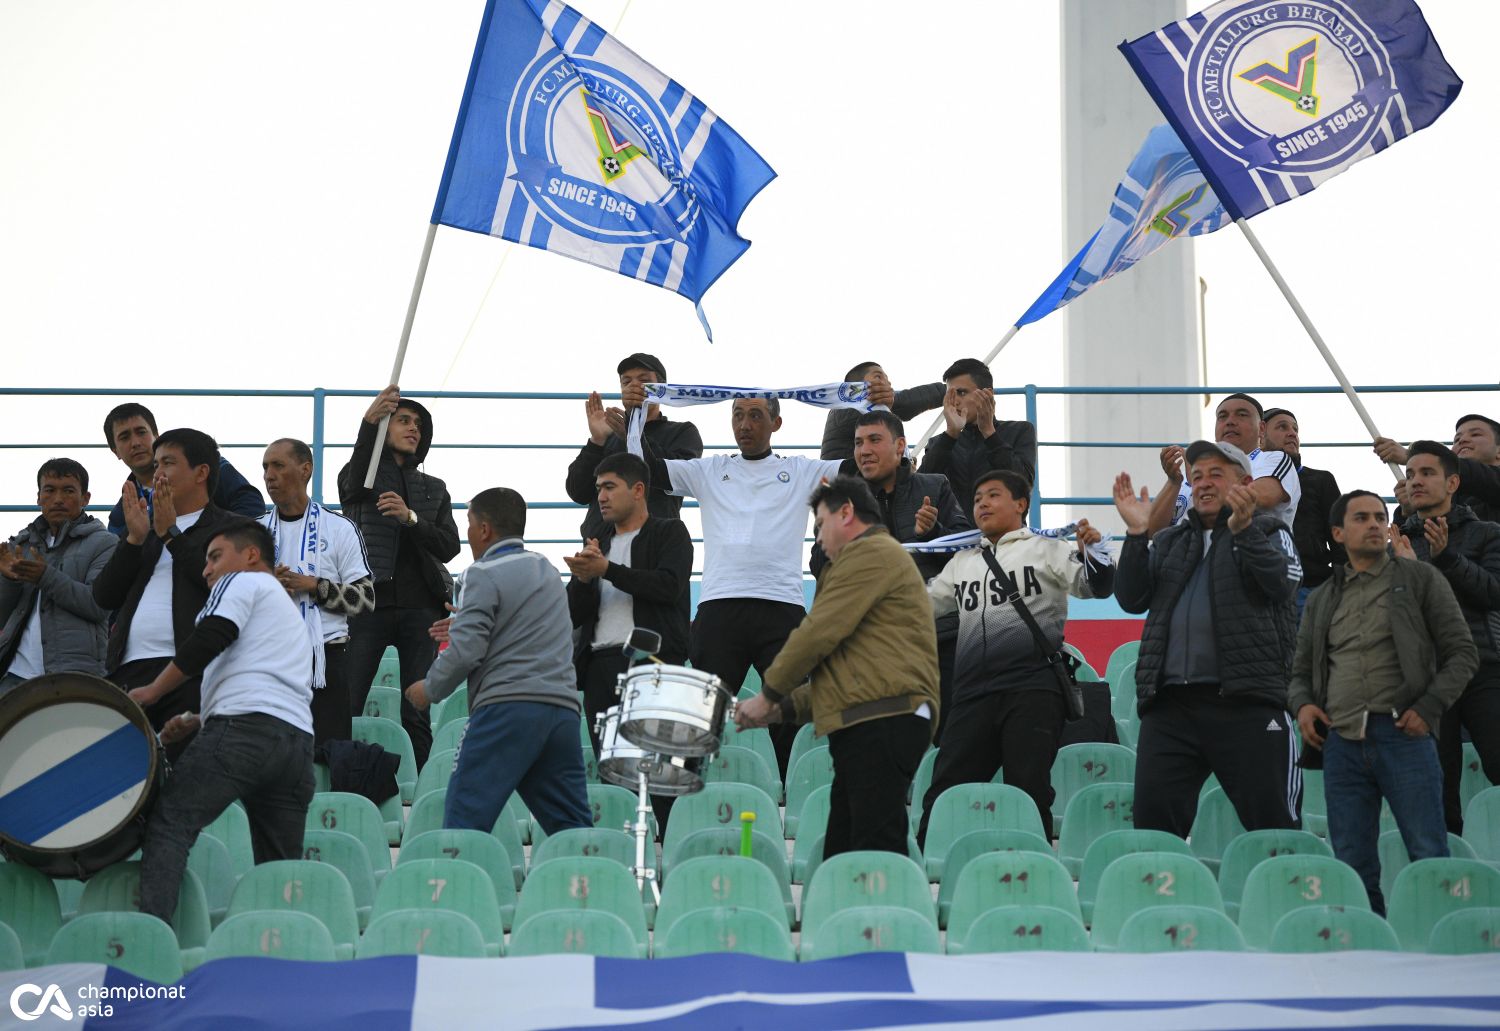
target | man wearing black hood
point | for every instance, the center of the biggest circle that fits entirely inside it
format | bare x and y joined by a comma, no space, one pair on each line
407,523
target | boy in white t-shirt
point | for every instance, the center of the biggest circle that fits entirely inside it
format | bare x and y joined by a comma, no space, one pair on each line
255,743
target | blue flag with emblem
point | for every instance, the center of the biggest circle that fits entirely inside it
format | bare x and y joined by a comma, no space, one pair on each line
567,141
1273,99
1162,196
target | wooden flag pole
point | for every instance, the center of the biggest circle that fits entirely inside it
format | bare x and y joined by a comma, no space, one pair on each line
921,444
1317,339
411,315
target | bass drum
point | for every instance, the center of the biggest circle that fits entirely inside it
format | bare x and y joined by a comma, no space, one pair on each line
79,769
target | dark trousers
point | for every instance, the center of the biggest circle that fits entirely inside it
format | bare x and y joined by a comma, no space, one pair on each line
183,698
873,766
1477,711
260,760
370,633
946,652
597,676
1189,732
1014,730
530,747
331,717
733,634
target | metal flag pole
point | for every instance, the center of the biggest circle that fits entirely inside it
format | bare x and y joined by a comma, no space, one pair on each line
411,315
922,443
1317,338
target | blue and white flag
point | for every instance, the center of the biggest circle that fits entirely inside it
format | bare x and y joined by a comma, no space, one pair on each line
568,141
1163,196
1274,98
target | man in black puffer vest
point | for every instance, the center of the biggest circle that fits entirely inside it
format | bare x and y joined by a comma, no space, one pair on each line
1466,550
406,520
1216,652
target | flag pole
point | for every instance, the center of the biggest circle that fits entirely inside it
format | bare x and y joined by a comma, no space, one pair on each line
411,315
1317,338
921,444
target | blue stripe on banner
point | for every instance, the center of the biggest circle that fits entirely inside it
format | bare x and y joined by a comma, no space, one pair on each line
1393,122
540,230
1303,183
1197,21
629,984
515,216
566,23
690,120
631,260
80,783
1274,187
1122,193
661,262
592,37
672,96
1173,32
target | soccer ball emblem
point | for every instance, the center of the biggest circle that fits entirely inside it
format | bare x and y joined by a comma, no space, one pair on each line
1307,103
612,165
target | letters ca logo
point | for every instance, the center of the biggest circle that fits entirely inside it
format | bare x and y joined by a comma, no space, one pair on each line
53,999
1177,216
614,154
1297,89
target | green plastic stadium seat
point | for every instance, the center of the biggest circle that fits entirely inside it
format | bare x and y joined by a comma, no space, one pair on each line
383,703
426,814
735,763
1143,879
582,931
997,879
919,785
1472,781
977,843
971,807
766,849
1089,762
1314,803
1394,857
28,903
1123,655
117,889
1093,812
391,736
426,817
1122,694
758,740
528,828
1180,929
485,851
813,770
356,815
1482,824
388,673
1467,932
318,889
1245,851
1128,731
613,807
1022,929
1332,929
232,827
454,707
282,935
707,882
136,943
811,825
590,841
349,855
1111,846
1278,885
456,885
720,805
1430,889
805,741
11,956
1213,828
422,932
448,736
815,854
436,774
749,932
585,882
864,879
872,929
322,777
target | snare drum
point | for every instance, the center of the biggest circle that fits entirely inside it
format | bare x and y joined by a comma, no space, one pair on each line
78,774
672,710
621,763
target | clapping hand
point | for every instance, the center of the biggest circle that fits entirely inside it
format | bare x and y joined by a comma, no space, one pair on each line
1172,457
593,410
1400,546
954,416
29,568
295,582
1241,502
1436,531
982,411
137,514
163,507
589,564
1136,511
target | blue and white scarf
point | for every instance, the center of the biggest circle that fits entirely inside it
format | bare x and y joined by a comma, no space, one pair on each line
965,539
681,395
305,562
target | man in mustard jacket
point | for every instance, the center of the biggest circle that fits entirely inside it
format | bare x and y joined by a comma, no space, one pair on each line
863,666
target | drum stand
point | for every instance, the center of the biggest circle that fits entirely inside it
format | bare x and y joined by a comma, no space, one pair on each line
642,870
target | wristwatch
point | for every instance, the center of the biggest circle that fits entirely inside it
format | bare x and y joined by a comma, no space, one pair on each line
411,517
173,532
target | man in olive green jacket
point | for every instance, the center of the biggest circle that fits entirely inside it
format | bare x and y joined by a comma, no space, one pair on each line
863,666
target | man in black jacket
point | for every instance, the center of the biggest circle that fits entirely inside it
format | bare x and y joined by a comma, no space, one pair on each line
838,428
1476,444
1216,652
636,573
1466,550
1319,552
660,438
407,523
154,579
973,441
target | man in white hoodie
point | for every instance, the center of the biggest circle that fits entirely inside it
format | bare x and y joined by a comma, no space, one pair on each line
1008,711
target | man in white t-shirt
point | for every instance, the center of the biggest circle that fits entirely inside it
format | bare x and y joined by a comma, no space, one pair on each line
320,560
1239,420
254,741
754,510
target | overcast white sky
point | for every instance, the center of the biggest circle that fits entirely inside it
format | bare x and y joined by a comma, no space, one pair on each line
207,194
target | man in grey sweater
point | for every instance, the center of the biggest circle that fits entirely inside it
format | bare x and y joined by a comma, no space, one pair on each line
511,639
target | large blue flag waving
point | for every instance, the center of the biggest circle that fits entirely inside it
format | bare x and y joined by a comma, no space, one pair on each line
568,141
1162,196
1274,98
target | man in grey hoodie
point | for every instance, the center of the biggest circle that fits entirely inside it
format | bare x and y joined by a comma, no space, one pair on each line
49,622
511,639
